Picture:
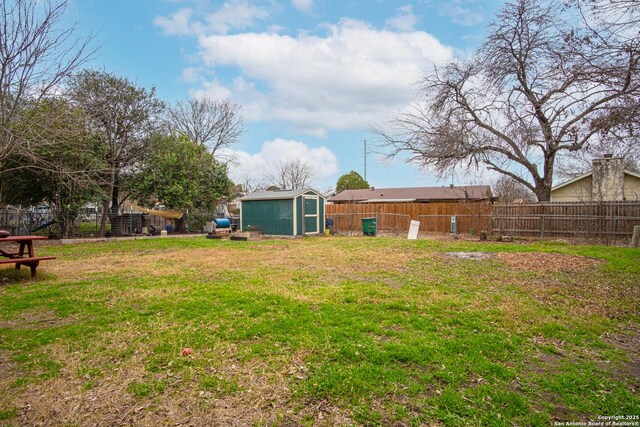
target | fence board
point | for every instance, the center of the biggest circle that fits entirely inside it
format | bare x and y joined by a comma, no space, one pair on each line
433,217
606,222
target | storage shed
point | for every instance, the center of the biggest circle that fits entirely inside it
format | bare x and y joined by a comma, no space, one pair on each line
285,213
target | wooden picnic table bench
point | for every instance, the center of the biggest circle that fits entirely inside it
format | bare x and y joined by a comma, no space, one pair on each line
26,253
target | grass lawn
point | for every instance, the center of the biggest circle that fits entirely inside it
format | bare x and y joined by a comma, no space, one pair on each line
321,331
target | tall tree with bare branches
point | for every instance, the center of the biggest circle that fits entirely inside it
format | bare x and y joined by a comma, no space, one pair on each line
291,175
541,85
37,52
123,117
616,25
214,124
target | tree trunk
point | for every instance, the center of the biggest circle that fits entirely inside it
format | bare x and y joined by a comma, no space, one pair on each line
66,225
61,217
543,192
103,220
105,204
115,193
543,186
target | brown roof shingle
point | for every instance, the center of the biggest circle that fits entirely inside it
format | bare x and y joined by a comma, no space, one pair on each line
466,192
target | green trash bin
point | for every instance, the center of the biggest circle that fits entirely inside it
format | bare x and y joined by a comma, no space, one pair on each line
369,226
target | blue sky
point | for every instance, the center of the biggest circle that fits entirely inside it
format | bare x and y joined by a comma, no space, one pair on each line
312,76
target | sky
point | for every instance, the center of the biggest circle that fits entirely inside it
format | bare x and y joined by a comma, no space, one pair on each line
312,77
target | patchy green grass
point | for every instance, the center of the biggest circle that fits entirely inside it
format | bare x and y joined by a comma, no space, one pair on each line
321,331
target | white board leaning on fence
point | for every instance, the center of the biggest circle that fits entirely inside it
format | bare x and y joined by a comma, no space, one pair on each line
413,230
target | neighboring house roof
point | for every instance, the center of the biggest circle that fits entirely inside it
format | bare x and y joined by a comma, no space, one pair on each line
328,194
586,175
571,181
632,173
388,201
411,194
277,195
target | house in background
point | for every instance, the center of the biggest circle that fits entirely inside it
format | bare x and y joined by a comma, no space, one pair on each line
285,213
414,195
608,181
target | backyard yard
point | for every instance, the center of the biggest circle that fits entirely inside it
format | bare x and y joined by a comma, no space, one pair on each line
321,331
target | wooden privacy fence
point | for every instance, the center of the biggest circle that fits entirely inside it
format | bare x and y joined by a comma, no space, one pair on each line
604,221
395,217
388,223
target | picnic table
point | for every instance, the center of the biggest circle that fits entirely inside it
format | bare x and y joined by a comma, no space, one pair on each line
25,255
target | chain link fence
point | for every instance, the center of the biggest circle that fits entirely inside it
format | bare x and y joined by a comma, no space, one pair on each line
21,222
40,221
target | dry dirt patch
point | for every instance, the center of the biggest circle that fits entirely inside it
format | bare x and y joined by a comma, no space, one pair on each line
155,264
7,366
628,341
334,266
536,261
533,261
471,255
36,319
263,395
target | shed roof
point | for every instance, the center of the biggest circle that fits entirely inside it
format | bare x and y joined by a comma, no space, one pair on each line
277,195
372,195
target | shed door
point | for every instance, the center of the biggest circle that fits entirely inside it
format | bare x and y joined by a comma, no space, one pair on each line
311,217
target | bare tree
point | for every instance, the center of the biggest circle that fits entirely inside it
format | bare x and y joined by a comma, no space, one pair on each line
290,175
215,124
123,117
506,189
251,183
580,163
618,16
538,87
37,52
613,32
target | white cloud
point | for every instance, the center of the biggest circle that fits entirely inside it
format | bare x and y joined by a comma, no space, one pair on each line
347,79
211,89
404,20
461,14
275,29
190,75
232,15
177,24
243,164
303,5
235,15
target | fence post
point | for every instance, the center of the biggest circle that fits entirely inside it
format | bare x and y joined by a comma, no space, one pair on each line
635,240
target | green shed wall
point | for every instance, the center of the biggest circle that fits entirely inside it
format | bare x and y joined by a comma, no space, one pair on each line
268,216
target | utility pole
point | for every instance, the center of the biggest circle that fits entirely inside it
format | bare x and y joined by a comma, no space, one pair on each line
365,159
